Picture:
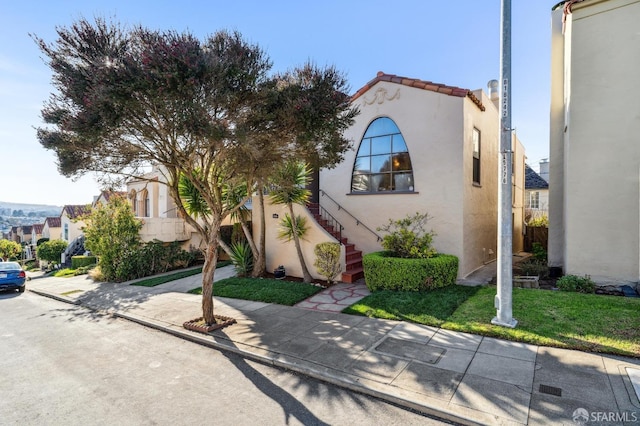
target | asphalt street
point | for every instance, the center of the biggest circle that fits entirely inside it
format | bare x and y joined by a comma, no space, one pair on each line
64,364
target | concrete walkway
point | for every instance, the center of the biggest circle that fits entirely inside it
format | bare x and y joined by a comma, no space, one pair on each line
335,298
462,377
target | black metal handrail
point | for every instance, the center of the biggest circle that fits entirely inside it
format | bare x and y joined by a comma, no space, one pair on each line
332,221
358,221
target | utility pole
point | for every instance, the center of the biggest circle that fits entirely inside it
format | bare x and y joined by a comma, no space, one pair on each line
503,300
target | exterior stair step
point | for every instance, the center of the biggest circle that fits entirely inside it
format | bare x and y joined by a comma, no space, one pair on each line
352,275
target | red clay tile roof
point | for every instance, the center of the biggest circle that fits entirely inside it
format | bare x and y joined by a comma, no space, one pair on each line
54,222
37,227
108,194
420,84
75,211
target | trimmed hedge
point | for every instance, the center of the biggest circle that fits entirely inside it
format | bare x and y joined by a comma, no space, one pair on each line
82,261
384,272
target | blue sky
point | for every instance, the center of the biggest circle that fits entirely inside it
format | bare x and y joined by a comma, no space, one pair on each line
454,42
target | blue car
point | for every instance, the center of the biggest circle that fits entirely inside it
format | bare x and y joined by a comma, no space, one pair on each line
12,277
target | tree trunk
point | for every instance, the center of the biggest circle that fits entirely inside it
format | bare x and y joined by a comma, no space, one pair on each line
249,237
260,262
307,278
208,273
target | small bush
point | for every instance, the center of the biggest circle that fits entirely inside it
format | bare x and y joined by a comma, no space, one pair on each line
407,238
576,284
383,271
242,258
328,260
82,261
539,252
51,251
533,268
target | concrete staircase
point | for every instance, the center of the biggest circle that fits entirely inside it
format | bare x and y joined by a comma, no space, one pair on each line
353,257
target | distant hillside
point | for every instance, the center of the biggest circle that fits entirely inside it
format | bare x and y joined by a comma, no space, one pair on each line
28,207
25,214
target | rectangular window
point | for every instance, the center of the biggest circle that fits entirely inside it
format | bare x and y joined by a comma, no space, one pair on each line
476,156
534,200
147,207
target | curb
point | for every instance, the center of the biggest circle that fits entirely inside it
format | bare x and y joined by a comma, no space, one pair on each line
318,372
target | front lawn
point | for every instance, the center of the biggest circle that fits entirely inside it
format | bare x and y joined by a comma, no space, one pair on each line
161,279
262,290
586,322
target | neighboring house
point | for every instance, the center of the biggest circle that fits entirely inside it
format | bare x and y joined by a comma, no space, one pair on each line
13,234
536,194
24,234
418,146
151,202
36,233
71,222
105,196
594,217
52,228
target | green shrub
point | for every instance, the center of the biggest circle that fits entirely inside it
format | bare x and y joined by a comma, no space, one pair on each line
576,284
82,261
533,268
328,260
42,240
539,252
383,271
51,251
242,258
539,222
152,258
407,238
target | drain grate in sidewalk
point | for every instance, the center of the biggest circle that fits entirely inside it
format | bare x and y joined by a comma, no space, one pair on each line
550,390
412,350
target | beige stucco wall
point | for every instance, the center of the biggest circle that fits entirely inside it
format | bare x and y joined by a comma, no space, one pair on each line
51,233
437,130
597,210
74,226
556,240
282,252
480,216
518,195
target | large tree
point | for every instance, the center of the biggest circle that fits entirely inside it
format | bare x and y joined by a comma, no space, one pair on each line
203,111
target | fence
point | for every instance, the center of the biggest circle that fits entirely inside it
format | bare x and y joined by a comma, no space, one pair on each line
535,234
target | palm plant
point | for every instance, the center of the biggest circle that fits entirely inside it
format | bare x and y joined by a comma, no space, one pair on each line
289,188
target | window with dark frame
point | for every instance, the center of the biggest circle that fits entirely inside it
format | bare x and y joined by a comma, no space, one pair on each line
476,156
382,162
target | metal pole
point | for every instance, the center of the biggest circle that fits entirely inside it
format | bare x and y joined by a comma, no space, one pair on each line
503,301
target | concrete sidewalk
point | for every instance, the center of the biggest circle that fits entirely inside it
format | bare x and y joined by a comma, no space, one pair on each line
462,377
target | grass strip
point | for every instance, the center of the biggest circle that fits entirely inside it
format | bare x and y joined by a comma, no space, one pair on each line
585,322
262,290
162,279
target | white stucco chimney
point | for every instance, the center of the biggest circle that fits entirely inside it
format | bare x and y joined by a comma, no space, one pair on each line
544,169
493,92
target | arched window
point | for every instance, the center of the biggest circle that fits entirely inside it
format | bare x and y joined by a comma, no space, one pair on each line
145,207
132,199
382,163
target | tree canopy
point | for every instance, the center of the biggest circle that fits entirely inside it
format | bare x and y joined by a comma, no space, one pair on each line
208,111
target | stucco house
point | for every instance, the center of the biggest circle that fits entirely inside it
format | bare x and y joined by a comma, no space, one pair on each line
70,221
152,203
418,146
536,194
594,216
36,232
52,228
